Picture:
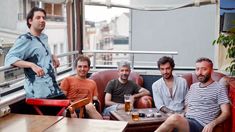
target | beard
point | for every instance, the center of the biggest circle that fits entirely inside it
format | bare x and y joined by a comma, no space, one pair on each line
203,78
124,77
167,76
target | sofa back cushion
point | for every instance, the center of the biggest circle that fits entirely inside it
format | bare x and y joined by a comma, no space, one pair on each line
103,77
192,78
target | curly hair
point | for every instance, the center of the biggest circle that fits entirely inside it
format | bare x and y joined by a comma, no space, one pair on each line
164,60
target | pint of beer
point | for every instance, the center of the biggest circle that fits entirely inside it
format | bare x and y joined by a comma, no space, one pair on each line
127,99
127,105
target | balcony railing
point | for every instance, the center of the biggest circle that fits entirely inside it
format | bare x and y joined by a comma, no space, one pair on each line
12,89
113,56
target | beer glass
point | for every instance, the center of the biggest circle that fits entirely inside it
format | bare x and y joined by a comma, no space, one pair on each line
127,99
135,115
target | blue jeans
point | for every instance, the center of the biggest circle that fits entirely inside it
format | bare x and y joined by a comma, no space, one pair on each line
194,126
107,110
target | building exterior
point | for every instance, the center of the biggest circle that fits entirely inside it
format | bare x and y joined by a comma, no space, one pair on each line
104,35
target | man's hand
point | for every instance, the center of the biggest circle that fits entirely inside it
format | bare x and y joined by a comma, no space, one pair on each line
38,70
56,62
209,127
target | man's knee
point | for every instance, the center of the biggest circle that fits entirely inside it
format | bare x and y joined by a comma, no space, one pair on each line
90,108
175,119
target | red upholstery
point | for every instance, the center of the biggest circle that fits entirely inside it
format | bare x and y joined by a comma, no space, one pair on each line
144,102
232,98
36,102
230,123
103,77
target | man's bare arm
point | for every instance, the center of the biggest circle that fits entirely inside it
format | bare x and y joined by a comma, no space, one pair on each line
108,101
95,98
225,113
142,92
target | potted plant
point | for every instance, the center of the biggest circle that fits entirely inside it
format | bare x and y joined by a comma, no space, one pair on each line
228,41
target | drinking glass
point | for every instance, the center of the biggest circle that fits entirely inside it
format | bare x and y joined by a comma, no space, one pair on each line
127,99
135,115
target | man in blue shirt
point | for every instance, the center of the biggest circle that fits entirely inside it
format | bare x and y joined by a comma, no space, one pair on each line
31,52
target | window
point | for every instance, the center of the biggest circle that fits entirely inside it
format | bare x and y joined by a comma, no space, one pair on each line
148,29
54,12
102,27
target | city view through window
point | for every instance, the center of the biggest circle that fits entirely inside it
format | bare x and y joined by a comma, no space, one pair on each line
107,29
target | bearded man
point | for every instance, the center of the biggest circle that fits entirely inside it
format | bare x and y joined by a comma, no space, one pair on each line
169,91
206,103
117,88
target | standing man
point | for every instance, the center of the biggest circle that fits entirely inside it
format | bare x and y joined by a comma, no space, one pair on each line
79,87
169,91
207,104
117,88
31,52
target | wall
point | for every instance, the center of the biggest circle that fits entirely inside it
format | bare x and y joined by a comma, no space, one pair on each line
9,15
189,31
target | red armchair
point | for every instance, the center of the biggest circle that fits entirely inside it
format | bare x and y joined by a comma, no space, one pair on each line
228,125
103,77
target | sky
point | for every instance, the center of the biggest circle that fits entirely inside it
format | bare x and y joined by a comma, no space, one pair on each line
99,13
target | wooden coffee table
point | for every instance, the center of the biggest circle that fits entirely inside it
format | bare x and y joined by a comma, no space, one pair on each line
144,124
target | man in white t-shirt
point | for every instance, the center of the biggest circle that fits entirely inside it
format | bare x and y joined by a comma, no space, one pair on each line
169,91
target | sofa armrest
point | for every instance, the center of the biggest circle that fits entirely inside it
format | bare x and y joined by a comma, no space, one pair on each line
231,93
223,127
144,102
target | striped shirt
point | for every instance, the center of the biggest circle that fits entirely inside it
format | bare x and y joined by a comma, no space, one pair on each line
204,103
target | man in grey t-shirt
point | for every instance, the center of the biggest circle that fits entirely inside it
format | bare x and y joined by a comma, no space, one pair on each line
117,88
206,103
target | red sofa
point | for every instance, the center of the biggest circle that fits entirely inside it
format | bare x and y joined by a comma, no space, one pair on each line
103,77
228,125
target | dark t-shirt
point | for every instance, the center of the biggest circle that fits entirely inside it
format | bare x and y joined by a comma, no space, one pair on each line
117,89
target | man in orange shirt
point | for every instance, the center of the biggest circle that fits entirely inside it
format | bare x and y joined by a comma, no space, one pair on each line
79,86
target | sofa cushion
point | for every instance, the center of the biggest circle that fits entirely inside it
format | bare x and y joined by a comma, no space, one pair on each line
103,77
192,78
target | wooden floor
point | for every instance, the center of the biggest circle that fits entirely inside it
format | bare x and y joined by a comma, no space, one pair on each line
39,123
